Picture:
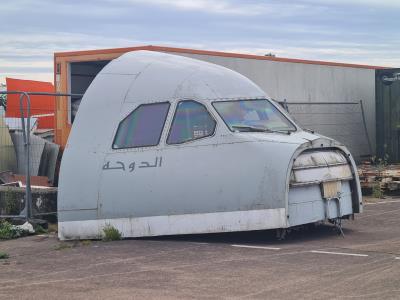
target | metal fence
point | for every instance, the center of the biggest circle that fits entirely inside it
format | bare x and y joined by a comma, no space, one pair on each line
28,156
342,121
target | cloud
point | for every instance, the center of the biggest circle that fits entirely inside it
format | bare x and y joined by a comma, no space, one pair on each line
378,3
208,6
354,31
33,58
30,56
354,54
39,76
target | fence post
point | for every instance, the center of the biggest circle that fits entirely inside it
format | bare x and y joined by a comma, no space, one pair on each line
26,131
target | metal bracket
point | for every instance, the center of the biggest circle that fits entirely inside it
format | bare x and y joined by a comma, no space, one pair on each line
338,225
336,221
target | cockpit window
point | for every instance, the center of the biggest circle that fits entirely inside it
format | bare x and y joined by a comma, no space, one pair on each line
142,127
253,115
191,121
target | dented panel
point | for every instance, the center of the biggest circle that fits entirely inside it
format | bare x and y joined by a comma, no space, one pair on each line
318,166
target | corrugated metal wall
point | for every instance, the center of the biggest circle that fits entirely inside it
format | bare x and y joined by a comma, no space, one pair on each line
388,113
299,82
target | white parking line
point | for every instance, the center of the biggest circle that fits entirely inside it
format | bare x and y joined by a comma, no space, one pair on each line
256,247
338,253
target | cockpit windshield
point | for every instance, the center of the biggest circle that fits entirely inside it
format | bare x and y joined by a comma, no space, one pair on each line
253,115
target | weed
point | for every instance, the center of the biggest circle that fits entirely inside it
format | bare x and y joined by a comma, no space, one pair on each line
40,230
377,191
110,233
52,227
9,231
86,242
62,246
381,163
4,255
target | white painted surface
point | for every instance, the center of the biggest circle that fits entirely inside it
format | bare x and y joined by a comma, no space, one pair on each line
339,253
256,247
178,224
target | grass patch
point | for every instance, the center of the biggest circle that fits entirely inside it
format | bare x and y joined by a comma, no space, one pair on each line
52,227
62,246
110,233
86,242
4,255
377,191
40,230
9,231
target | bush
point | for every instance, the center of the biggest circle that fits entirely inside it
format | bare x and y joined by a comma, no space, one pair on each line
4,255
9,231
110,233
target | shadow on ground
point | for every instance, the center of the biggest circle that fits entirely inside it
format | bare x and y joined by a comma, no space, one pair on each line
260,237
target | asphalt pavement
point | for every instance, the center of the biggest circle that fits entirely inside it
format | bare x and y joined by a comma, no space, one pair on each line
311,263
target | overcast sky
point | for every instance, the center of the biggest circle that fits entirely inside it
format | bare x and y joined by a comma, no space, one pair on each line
356,31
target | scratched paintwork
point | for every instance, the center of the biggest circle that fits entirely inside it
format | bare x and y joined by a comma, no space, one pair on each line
226,182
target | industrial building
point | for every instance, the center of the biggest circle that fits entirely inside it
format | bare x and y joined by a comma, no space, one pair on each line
291,80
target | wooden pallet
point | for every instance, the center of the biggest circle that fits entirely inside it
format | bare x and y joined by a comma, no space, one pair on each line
386,178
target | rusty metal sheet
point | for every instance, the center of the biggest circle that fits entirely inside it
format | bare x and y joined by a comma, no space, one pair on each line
331,189
9,177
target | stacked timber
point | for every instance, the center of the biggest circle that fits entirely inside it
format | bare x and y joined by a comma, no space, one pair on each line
379,178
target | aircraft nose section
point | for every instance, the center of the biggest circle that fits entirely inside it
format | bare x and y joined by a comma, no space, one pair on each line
323,186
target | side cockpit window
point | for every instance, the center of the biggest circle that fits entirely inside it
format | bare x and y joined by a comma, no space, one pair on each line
142,127
191,121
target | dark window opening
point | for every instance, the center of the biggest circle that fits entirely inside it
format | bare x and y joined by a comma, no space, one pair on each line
81,76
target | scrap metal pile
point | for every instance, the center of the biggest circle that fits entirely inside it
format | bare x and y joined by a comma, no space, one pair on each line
384,178
44,155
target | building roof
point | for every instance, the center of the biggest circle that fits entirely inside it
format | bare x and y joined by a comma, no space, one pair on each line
212,53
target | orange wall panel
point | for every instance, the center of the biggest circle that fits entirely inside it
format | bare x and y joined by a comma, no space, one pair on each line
39,104
46,122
